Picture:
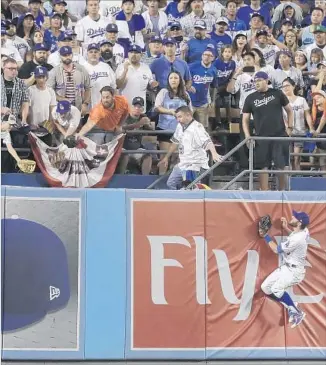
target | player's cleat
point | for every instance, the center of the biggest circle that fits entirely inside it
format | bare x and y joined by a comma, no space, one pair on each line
298,318
292,313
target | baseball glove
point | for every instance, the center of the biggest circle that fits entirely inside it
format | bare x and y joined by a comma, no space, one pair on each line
70,142
264,225
27,166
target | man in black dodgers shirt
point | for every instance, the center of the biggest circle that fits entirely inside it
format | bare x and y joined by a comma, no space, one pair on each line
266,105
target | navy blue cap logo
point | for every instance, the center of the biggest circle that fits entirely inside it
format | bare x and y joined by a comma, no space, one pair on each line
35,273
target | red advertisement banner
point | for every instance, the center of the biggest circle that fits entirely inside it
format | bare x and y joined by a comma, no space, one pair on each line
197,268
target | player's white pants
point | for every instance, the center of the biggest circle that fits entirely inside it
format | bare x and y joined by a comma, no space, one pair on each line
281,279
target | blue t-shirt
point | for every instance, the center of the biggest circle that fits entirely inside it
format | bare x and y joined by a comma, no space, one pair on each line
220,40
196,48
224,71
51,40
245,13
237,25
173,13
202,78
162,67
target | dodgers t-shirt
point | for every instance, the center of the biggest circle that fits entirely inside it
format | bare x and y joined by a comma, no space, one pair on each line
266,108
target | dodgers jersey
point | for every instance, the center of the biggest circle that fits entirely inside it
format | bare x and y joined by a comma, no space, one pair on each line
91,31
192,141
100,75
202,78
294,248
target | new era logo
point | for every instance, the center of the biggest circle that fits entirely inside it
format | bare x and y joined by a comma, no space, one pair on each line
54,292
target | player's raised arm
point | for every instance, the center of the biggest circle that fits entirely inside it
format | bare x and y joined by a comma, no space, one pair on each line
264,225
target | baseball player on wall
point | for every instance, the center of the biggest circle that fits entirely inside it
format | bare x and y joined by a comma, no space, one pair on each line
292,271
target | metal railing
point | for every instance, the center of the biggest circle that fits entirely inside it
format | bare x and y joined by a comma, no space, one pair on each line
251,171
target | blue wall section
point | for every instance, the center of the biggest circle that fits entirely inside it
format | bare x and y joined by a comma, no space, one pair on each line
106,273
105,269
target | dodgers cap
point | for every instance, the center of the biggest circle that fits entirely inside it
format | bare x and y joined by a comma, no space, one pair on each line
63,106
64,51
261,75
301,217
40,71
35,274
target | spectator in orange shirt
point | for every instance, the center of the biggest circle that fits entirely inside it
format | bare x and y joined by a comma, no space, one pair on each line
106,118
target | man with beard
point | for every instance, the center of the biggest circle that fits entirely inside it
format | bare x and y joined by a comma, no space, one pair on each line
71,81
106,118
219,36
26,72
133,77
118,50
9,51
66,39
293,253
197,45
106,49
13,40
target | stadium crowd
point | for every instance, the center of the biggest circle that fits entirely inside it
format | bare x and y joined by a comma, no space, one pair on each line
101,68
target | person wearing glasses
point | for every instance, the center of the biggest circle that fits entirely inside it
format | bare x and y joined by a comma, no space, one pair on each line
14,102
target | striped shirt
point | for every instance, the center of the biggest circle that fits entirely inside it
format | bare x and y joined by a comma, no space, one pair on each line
70,85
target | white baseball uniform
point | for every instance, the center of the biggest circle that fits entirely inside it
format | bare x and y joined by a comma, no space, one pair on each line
20,44
101,75
90,31
292,270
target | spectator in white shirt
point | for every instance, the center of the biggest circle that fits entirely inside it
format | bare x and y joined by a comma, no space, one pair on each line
100,73
91,28
193,142
66,40
9,51
42,101
13,40
156,21
133,77
214,8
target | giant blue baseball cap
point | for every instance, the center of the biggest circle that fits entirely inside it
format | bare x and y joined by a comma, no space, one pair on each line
301,217
34,273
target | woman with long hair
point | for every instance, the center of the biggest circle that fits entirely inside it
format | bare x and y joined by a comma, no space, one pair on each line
26,27
260,63
301,116
319,120
168,100
240,47
37,37
291,40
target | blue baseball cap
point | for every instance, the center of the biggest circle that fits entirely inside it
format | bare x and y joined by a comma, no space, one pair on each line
135,48
40,71
65,36
211,50
56,2
156,39
56,14
63,107
175,25
35,273
301,217
93,46
261,75
64,51
106,41
40,47
168,40
112,28
200,24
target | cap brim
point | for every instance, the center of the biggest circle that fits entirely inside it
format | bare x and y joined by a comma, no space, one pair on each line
318,93
34,261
